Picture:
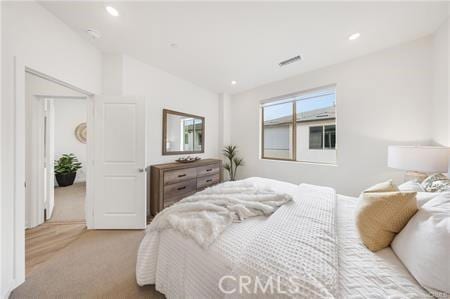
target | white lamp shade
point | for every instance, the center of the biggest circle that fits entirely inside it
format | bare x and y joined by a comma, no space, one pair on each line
419,158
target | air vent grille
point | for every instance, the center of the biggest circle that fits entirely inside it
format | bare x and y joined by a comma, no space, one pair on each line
290,60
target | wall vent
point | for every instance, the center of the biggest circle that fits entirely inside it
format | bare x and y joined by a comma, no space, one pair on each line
290,60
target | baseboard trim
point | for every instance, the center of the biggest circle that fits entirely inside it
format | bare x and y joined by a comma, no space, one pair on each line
13,284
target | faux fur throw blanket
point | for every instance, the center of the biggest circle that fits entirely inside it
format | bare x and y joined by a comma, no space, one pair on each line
206,214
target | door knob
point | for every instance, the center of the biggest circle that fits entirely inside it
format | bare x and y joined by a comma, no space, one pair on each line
141,169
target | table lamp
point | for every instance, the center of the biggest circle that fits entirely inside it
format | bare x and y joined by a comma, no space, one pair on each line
418,161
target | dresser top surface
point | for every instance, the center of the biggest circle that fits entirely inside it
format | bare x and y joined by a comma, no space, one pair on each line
177,165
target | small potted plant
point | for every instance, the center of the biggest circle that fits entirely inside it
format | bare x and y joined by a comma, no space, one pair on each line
230,152
66,169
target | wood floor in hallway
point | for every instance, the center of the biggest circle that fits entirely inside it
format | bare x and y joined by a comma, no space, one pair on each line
66,225
42,242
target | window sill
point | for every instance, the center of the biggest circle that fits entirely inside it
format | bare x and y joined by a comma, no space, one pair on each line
299,162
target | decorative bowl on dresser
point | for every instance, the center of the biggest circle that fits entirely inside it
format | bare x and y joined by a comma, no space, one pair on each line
172,182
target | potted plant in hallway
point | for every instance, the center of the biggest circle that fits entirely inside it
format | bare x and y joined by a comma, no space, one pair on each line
66,169
230,152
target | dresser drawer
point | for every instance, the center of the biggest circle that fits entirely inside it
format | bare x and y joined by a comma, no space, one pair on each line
179,189
207,181
171,182
176,176
174,199
208,170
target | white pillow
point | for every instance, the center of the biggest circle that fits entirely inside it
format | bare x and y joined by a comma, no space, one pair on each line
424,197
423,245
412,185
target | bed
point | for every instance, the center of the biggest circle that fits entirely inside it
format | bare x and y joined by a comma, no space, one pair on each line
180,268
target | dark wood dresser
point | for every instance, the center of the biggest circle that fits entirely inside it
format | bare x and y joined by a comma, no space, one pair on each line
172,182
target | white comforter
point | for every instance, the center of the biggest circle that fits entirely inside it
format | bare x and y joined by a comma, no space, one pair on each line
180,268
295,253
296,249
206,214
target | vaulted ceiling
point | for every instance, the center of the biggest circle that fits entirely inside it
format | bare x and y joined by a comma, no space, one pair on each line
214,43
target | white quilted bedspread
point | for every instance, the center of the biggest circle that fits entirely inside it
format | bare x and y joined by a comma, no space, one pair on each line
295,251
180,268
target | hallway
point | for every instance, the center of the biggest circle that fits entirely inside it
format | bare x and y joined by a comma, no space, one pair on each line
66,225
69,203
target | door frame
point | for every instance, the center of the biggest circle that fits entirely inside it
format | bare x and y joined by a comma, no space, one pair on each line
20,69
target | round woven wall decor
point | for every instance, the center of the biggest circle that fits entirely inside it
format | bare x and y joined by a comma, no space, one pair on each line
81,132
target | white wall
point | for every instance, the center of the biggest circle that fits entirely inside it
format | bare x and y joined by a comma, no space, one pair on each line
69,113
440,95
112,74
2,286
42,42
163,90
382,99
224,120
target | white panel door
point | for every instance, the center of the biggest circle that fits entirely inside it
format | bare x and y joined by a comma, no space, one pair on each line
119,163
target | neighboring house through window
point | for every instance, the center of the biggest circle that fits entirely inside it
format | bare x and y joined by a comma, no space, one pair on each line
301,127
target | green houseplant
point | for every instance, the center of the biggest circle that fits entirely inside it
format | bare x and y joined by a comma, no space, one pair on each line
230,153
66,169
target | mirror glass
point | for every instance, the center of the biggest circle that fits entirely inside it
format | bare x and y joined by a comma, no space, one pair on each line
182,133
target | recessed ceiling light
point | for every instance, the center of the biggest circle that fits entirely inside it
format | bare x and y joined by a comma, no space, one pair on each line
173,45
233,82
94,34
354,36
112,11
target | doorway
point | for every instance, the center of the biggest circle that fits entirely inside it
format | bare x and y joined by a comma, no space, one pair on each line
104,207
66,141
55,167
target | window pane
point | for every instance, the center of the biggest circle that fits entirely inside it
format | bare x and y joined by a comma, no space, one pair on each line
198,134
277,131
188,131
330,137
315,137
316,128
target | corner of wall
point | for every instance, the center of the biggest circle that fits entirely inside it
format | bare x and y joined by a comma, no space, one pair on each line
224,120
440,91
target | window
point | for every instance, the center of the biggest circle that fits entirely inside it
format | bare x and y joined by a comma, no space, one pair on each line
277,130
316,137
300,127
322,137
330,136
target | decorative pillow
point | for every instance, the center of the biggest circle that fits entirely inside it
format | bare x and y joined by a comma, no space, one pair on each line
423,245
412,185
387,186
382,213
436,183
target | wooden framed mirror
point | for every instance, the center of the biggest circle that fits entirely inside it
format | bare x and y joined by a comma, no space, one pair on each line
182,133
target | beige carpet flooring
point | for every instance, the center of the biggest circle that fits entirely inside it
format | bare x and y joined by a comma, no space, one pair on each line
99,264
64,260
69,203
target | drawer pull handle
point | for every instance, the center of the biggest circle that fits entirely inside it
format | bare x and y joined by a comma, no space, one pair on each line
210,180
209,169
181,188
181,175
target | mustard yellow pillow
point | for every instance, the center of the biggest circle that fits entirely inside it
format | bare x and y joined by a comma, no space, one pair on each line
382,214
387,186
